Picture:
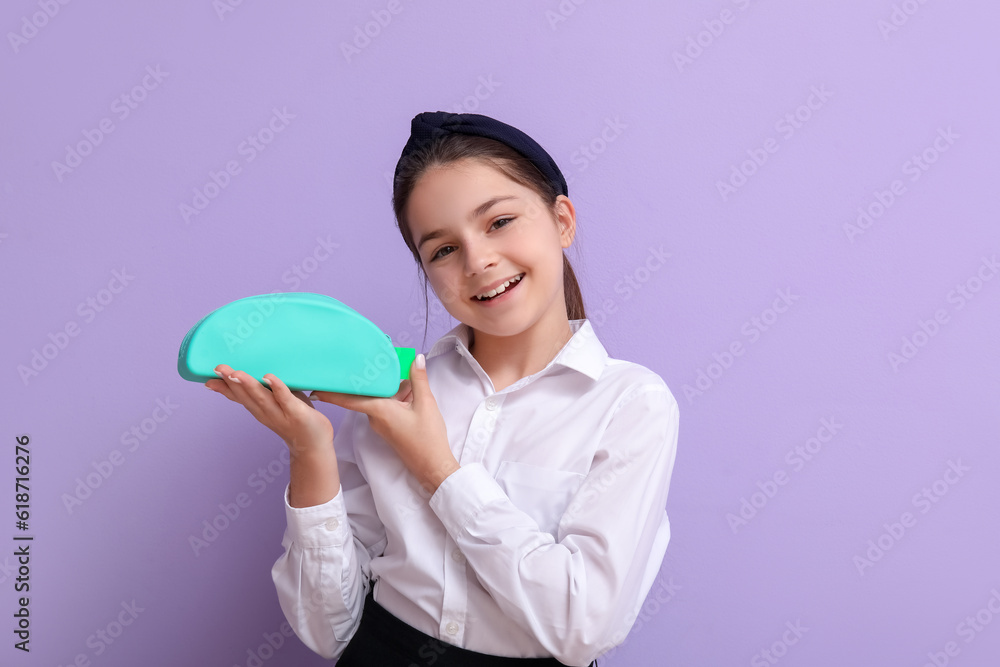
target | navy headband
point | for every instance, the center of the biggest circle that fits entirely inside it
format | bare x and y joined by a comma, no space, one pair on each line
428,126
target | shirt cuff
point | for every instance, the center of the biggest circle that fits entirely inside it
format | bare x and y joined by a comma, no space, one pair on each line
323,525
463,494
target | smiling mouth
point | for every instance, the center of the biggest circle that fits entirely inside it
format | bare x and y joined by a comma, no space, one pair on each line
502,289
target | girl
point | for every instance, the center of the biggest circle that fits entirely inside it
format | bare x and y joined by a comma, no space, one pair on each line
506,506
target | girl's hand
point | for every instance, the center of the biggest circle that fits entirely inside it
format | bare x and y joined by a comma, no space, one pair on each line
290,414
410,422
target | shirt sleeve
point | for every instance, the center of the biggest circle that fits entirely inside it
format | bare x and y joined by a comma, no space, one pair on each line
573,590
323,575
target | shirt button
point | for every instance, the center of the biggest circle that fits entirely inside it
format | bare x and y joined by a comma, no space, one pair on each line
332,524
458,556
452,628
491,403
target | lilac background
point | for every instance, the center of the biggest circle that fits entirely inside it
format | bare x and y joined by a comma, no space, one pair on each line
562,72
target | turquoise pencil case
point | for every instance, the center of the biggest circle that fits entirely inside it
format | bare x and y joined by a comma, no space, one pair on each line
310,341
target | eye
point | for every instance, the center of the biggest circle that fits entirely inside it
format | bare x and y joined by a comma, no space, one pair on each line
438,253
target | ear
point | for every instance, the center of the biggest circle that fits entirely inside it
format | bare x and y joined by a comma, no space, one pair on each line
565,215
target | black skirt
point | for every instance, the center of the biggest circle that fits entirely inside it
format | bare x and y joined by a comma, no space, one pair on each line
382,640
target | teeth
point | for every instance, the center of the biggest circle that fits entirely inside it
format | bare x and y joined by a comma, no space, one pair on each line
501,289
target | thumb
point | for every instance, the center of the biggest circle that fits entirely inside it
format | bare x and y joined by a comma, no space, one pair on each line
419,385
349,401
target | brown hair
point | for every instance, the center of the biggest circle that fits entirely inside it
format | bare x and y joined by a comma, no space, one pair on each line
454,147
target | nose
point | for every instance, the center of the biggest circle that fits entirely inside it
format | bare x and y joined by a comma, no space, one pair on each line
479,256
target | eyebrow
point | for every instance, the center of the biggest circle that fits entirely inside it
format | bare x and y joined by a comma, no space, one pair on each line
478,211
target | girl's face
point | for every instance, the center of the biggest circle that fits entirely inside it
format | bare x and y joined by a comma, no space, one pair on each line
475,228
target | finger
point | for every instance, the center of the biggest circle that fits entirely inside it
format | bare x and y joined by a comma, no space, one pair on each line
224,385
246,390
301,395
332,397
283,395
349,401
225,374
220,387
261,395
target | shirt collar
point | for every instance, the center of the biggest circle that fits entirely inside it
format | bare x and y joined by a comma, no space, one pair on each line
583,352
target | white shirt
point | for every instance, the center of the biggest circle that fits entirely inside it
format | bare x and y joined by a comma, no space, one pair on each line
544,543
